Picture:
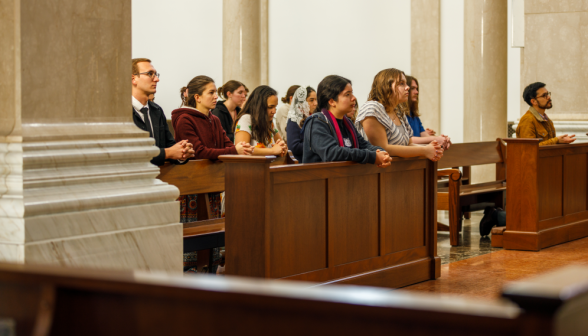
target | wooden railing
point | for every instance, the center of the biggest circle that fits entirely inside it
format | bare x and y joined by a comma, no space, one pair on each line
44,300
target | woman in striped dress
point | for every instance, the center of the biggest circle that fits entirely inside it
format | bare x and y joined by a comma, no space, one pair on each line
383,124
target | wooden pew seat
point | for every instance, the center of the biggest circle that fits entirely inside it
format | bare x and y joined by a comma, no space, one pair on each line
461,197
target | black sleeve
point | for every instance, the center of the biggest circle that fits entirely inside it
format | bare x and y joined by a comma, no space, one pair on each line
159,160
295,140
327,147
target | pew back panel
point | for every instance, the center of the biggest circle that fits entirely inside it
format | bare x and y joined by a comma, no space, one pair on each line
48,300
332,222
548,203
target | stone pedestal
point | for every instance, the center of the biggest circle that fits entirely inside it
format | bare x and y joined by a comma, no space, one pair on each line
485,72
245,42
76,185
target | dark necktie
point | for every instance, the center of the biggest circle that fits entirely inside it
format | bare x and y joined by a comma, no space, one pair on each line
145,111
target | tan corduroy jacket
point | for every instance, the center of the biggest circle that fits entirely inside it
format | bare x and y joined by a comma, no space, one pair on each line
533,125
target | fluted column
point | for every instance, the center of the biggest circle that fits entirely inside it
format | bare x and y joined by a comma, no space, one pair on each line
76,185
425,59
245,41
485,82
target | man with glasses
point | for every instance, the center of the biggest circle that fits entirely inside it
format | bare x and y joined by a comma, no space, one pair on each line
149,116
535,123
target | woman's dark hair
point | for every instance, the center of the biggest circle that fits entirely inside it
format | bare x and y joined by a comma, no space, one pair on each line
256,107
230,86
330,88
195,87
530,92
309,90
290,93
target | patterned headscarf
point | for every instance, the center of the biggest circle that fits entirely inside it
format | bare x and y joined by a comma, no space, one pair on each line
299,107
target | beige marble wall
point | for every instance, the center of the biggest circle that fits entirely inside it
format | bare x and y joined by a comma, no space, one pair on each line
425,59
556,53
245,42
76,185
485,75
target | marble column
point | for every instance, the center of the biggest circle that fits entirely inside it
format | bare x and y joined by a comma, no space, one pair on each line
426,59
76,185
245,42
556,53
485,72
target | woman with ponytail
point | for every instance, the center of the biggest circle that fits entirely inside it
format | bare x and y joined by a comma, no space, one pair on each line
234,94
330,136
195,122
255,123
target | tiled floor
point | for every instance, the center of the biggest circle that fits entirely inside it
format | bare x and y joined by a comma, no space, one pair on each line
483,275
472,244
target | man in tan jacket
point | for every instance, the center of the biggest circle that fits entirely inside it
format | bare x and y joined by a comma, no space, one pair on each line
535,123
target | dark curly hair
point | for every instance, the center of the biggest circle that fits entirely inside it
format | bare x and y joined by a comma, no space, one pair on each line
256,106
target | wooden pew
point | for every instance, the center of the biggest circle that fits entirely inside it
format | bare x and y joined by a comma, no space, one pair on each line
547,196
47,301
203,177
461,198
335,222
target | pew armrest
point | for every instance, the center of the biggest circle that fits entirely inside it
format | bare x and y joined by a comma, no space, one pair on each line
454,174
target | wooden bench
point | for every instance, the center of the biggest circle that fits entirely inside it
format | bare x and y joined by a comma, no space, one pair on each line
334,222
202,177
47,301
547,195
461,198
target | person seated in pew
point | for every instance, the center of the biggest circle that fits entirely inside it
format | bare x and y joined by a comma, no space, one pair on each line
195,122
234,94
535,123
381,121
420,135
330,136
255,124
149,116
281,118
302,106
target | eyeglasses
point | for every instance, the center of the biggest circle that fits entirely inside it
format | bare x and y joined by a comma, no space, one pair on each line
545,95
150,74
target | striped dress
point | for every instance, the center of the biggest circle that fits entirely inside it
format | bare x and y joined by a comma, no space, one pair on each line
397,135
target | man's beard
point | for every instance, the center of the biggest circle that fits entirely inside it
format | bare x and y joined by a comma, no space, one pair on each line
547,105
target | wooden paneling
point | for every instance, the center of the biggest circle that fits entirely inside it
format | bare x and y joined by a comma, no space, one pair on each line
550,187
403,212
327,222
353,218
547,194
575,183
305,204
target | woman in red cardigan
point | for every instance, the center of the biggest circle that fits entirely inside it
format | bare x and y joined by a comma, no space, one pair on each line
194,121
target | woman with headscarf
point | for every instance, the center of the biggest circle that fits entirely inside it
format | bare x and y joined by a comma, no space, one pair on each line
302,106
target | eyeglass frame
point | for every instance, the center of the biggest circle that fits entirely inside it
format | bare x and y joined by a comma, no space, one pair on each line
147,73
544,96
